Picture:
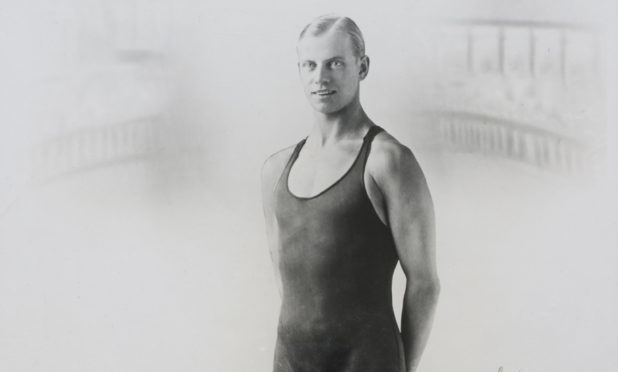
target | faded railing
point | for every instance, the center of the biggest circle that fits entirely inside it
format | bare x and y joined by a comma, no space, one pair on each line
96,147
469,132
521,90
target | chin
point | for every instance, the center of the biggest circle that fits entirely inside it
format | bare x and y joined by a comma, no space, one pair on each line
327,110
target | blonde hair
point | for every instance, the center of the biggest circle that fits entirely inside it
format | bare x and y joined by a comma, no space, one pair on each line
324,23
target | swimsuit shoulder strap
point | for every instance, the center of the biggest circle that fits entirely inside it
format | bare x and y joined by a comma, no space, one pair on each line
373,131
291,159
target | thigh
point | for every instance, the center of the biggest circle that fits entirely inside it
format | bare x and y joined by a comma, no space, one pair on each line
381,352
310,356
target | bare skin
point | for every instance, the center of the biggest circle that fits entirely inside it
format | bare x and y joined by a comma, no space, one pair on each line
394,180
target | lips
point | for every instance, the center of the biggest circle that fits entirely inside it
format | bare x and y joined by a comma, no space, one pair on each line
323,92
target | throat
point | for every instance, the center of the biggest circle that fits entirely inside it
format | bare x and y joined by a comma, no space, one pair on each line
312,173
343,124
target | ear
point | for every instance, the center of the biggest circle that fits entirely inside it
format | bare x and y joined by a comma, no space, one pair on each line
364,67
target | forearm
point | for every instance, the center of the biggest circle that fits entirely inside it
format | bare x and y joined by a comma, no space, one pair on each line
417,318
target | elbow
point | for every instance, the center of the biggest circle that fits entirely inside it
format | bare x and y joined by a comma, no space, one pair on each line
429,288
433,291
432,288
436,289
435,284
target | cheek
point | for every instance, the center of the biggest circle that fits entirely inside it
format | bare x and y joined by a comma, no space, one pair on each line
305,83
306,79
351,82
350,75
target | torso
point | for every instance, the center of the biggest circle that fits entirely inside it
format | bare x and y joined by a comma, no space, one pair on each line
314,172
336,259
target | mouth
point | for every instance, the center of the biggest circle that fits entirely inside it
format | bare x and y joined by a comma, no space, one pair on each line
323,92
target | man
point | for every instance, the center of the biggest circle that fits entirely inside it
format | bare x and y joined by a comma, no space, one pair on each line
341,208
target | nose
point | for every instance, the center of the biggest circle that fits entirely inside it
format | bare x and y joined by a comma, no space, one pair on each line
321,75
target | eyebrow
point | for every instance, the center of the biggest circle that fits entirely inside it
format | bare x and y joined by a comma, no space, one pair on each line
328,60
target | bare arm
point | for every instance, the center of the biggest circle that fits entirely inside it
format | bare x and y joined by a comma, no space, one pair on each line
271,171
409,210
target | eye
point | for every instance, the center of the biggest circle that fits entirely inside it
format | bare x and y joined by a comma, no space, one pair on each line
308,65
336,64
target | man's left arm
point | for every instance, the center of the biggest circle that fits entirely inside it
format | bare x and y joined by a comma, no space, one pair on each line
410,214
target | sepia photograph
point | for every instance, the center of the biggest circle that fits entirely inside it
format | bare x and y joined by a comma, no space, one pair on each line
327,186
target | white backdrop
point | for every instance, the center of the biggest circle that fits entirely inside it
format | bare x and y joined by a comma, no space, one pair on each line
131,139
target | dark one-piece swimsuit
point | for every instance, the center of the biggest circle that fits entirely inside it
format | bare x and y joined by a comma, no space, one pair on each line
336,260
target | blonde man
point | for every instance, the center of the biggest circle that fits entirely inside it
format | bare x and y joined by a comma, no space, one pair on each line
342,207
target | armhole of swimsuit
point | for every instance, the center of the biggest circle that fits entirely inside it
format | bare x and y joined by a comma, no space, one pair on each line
364,185
287,164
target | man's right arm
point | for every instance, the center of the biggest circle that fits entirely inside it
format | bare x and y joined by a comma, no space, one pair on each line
271,171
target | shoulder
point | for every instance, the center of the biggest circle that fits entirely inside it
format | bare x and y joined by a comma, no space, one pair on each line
274,165
277,161
394,168
389,155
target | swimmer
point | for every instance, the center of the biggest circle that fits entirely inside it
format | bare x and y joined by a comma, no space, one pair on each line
342,207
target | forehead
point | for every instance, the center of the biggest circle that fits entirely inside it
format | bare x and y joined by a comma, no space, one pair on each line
330,44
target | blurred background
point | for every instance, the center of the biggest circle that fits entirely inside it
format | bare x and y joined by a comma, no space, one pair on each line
132,134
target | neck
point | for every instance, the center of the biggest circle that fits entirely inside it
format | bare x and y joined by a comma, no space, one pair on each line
349,122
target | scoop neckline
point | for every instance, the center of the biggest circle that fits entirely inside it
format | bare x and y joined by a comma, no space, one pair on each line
337,181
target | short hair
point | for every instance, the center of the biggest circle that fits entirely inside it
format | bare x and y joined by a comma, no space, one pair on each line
323,24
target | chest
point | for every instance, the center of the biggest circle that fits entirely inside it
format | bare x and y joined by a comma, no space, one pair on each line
316,171
319,175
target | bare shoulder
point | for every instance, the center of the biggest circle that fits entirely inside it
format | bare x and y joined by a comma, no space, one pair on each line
273,166
394,168
276,162
388,155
